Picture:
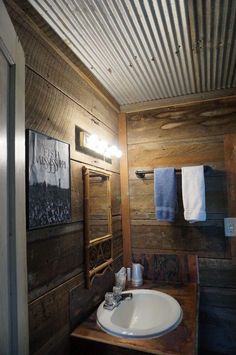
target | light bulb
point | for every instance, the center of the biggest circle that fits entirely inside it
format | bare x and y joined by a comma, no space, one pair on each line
93,141
118,153
102,147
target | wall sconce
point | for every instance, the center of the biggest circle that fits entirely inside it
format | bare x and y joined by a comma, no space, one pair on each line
92,145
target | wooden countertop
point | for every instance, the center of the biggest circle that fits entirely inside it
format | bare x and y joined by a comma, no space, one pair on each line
182,340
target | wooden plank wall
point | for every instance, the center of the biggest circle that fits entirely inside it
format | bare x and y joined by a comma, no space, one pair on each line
181,136
57,99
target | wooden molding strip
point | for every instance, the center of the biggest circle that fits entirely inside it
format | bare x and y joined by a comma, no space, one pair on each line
180,100
124,185
230,169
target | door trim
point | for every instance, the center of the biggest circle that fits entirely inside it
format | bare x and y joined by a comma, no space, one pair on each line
11,47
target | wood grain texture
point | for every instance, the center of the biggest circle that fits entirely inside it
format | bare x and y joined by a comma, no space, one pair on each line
198,120
125,208
230,167
168,268
49,318
50,111
57,98
203,241
53,260
36,25
217,273
177,153
142,200
77,192
177,136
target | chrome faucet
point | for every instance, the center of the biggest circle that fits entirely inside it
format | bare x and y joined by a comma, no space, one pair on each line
113,299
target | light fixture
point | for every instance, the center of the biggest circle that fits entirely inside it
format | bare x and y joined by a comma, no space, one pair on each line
92,144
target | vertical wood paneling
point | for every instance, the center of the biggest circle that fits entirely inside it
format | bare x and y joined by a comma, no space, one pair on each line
125,208
230,166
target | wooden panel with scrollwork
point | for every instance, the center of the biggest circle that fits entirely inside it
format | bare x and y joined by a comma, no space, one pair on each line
97,223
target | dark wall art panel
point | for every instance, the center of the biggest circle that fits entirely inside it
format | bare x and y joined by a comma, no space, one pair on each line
49,199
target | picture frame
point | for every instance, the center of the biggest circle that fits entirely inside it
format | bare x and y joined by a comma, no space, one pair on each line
48,181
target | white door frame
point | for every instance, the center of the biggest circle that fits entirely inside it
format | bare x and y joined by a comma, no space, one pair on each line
14,310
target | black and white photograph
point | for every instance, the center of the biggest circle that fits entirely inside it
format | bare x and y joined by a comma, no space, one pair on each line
48,181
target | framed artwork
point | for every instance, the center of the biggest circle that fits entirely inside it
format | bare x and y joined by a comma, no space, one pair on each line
48,187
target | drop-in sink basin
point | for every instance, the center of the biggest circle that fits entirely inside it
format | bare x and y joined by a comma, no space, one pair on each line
149,314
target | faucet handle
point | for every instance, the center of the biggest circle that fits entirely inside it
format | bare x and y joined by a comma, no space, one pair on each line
109,299
117,290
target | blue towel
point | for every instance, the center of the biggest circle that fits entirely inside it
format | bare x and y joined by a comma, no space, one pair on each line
165,194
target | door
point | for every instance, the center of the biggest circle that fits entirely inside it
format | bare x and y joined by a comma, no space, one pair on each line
13,276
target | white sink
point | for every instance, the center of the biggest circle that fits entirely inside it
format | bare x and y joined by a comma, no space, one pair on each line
149,314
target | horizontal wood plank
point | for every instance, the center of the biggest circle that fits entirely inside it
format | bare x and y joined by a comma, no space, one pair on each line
204,241
218,297
54,260
38,29
188,152
51,112
196,121
217,273
49,317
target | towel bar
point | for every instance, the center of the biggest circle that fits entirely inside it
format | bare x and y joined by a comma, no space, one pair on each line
141,173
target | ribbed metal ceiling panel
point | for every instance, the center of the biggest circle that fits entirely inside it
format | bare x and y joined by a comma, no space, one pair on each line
143,50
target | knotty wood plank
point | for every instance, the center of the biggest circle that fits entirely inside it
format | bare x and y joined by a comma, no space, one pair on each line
199,120
125,209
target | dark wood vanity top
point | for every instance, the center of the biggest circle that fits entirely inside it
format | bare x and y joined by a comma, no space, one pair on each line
182,340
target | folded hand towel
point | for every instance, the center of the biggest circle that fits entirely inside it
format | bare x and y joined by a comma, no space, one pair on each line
165,194
193,192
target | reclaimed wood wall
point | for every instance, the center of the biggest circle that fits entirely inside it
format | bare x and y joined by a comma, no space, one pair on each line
181,136
57,99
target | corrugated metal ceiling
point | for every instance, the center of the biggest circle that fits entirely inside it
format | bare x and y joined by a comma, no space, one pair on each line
143,50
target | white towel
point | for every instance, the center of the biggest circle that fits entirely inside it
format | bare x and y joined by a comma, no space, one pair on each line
193,193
